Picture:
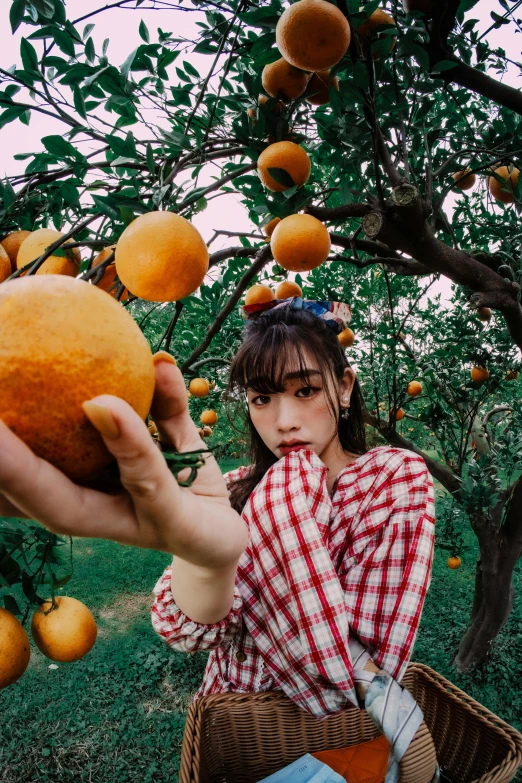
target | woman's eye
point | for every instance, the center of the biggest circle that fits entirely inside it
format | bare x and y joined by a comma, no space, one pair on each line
261,397
308,389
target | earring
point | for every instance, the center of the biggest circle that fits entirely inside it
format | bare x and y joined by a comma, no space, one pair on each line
344,412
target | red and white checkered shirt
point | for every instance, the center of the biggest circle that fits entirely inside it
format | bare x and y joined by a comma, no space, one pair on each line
318,568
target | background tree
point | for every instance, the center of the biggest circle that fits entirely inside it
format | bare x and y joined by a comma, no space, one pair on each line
415,106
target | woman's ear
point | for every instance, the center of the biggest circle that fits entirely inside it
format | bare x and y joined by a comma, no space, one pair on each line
348,381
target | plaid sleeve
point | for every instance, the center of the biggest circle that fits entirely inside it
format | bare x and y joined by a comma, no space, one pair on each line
182,633
387,569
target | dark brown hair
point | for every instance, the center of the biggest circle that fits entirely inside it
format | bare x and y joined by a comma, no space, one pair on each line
272,341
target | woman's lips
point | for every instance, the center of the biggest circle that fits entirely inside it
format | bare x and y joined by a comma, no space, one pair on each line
296,447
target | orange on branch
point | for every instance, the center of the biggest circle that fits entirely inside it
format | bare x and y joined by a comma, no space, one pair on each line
282,80
152,427
208,417
258,294
284,155
67,633
288,288
161,257
399,415
464,180
64,342
5,265
454,562
300,243
269,228
503,191
109,277
371,26
199,387
36,244
15,649
313,35
318,90
346,338
479,374
484,313
11,245
414,388
511,375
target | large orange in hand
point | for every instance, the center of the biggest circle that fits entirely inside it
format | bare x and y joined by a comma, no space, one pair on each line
62,342
67,633
15,649
161,257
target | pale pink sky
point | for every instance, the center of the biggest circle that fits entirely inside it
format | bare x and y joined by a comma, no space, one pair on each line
121,27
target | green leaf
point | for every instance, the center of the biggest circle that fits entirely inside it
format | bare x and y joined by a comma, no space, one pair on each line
125,68
150,159
190,69
87,30
281,176
16,14
90,52
143,31
79,103
13,113
29,56
64,42
61,148
44,7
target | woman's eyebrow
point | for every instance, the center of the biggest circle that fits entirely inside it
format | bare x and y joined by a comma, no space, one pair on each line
289,376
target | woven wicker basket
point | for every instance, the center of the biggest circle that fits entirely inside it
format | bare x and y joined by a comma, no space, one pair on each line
244,737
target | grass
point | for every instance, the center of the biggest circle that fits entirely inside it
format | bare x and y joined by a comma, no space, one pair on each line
118,714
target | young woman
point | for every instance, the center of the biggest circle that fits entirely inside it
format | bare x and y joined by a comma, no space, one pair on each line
305,571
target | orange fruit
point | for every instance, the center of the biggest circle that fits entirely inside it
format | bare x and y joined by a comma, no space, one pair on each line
208,417
454,562
76,344
484,313
285,81
503,192
378,19
463,182
199,387
258,294
313,35
36,244
252,112
269,228
286,289
15,649
300,242
204,432
277,107
11,245
346,338
399,415
284,155
414,388
479,374
152,427
5,265
161,257
511,375
67,633
317,92
109,278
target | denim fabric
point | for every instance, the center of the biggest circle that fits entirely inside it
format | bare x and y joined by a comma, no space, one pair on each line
306,769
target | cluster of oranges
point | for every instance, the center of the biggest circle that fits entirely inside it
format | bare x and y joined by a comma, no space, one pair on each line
160,257
502,191
200,387
64,632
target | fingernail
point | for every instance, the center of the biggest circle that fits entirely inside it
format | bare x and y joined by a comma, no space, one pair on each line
163,356
102,418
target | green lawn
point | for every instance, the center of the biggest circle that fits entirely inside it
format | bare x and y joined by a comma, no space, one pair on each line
117,716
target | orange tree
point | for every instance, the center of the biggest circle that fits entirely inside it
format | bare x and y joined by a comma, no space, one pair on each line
407,110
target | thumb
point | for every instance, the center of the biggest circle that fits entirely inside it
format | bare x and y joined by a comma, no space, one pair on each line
143,469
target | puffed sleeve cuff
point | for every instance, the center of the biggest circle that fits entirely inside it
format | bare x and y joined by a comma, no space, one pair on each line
182,633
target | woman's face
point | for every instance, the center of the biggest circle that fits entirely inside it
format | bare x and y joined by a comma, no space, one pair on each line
301,412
